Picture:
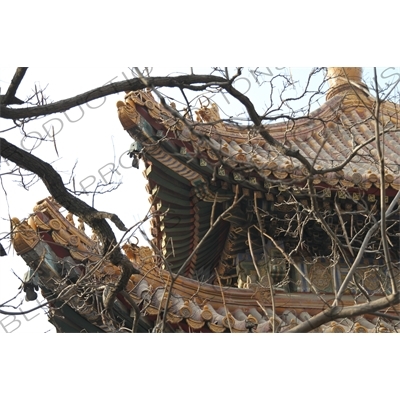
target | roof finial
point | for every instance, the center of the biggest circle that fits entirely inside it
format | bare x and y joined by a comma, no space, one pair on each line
340,78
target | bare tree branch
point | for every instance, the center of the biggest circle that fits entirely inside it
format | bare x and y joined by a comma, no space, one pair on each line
337,312
9,98
112,88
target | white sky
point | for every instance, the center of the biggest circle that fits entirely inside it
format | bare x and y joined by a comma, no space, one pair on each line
95,140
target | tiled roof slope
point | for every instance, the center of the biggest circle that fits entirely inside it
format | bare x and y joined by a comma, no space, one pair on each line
326,138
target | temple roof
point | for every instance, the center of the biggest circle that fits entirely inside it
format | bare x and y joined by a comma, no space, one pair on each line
192,164
61,253
326,138
214,171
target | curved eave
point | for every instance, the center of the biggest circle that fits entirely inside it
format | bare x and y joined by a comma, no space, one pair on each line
326,138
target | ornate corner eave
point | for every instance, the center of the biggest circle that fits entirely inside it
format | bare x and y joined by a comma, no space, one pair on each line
24,238
128,114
